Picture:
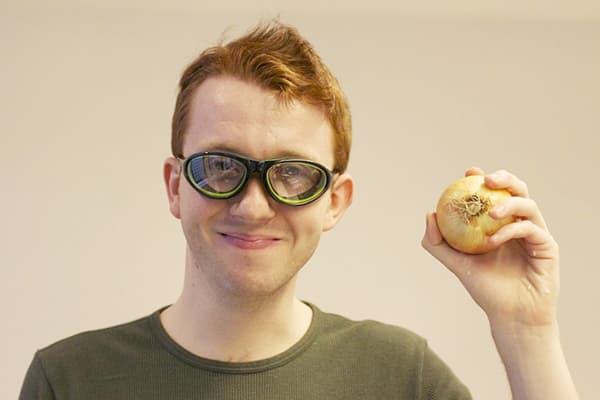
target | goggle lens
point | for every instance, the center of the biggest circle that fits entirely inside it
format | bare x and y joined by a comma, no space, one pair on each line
296,182
216,175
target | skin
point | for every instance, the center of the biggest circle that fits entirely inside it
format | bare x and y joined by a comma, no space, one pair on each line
517,286
243,254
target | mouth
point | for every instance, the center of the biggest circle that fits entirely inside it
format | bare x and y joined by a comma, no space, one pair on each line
249,242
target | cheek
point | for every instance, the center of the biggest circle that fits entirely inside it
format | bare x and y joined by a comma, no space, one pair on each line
306,237
196,211
308,224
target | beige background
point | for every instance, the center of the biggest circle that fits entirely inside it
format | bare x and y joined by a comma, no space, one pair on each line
86,99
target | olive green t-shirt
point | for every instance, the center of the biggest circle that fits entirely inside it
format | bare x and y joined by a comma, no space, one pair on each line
336,359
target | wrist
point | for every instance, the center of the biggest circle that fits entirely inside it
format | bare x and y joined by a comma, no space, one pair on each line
515,330
514,339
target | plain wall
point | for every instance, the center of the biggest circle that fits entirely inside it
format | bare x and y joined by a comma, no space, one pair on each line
86,100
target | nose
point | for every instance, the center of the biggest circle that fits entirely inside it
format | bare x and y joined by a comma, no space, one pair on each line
253,203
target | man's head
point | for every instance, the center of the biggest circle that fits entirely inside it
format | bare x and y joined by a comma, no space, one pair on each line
275,57
263,97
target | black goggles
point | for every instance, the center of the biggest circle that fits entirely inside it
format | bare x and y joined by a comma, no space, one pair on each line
221,175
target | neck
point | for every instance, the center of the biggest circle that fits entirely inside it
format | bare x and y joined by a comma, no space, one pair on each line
235,328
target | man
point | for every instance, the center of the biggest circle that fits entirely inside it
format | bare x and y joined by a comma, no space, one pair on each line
260,141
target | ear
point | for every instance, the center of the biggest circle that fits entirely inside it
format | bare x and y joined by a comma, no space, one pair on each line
341,198
172,176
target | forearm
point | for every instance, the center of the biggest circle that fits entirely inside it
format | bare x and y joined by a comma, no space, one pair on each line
534,362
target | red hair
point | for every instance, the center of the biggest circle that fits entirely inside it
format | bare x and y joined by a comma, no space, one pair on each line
277,58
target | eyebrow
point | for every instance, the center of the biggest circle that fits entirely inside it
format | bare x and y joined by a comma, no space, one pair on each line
283,154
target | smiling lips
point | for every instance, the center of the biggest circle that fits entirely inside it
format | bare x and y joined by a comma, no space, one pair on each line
249,242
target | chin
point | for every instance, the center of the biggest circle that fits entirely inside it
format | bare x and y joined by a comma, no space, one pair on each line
256,285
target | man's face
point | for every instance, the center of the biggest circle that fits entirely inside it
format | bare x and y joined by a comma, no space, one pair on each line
251,245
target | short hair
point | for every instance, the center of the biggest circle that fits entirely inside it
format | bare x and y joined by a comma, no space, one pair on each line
276,57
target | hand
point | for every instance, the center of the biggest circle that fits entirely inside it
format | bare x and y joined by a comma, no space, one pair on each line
517,283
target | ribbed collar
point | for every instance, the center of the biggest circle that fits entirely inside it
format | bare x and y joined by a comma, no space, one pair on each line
235,367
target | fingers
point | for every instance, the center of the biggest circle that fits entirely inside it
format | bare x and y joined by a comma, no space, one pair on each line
537,241
520,207
524,229
474,171
503,179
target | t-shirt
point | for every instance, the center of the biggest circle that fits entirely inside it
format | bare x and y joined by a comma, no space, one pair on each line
337,358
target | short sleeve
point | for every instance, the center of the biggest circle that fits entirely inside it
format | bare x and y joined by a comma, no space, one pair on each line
439,382
36,385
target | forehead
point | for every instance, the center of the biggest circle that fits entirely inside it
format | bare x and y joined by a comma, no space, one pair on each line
230,114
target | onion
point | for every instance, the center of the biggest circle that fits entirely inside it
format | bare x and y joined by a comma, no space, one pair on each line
462,214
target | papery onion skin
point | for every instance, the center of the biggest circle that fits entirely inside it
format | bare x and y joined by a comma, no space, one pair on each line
463,214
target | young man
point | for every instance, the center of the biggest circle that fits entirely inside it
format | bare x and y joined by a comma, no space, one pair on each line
260,141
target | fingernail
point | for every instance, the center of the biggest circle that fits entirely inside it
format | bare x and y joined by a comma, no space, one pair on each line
428,232
495,176
498,210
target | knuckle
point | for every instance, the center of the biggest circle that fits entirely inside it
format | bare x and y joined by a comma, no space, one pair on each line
525,226
499,175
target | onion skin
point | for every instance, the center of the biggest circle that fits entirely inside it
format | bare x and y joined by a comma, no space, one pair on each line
463,214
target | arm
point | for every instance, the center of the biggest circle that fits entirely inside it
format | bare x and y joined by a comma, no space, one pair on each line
517,286
36,385
534,362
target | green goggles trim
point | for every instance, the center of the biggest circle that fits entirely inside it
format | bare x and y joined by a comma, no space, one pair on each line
261,168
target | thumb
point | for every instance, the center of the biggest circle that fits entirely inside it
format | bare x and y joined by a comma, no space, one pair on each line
435,244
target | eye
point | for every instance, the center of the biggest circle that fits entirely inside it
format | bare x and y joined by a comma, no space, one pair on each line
290,170
221,164
295,176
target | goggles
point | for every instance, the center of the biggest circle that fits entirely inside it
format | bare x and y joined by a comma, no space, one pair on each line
221,175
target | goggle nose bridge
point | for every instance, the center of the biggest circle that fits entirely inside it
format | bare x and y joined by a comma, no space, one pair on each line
254,166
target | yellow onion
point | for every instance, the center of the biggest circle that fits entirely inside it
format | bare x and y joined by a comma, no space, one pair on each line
463,214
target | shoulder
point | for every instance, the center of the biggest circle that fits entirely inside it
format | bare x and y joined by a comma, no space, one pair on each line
98,336
93,347
338,324
389,352
372,336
